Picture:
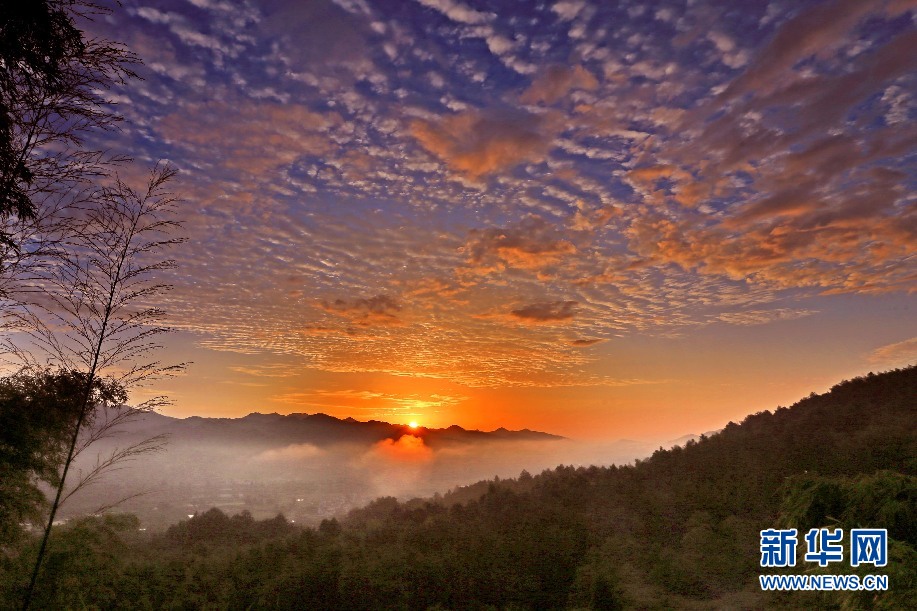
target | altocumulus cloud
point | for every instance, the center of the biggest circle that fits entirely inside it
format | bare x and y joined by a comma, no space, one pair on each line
380,310
431,172
479,142
546,312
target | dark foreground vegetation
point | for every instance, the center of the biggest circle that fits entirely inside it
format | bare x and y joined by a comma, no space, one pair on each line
678,530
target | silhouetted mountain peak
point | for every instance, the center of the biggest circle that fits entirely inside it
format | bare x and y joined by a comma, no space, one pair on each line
318,429
254,416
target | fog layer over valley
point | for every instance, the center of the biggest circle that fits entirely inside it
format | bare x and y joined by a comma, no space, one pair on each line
311,467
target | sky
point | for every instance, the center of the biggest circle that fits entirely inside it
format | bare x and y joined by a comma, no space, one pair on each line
597,219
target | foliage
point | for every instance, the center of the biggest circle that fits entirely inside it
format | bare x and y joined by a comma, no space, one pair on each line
80,258
885,498
37,413
53,81
678,530
86,311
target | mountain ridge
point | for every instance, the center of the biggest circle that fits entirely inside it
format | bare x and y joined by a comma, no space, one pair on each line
318,428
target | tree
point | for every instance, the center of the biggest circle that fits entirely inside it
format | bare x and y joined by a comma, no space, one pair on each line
89,309
37,410
78,256
53,81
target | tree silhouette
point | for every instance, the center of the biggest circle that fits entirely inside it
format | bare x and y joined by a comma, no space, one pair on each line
89,309
37,410
53,81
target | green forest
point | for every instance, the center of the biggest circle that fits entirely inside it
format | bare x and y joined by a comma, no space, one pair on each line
677,530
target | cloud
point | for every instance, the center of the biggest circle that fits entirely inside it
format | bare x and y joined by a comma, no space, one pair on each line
784,179
628,183
546,312
399,466
817,31
477,143
730,54
898,354
556,82
531,244
276,370
567,10
186,32
290,453
251,137
155,16
661,181
408,448
760,317
456,11
583,343
318,35
380,310
588,219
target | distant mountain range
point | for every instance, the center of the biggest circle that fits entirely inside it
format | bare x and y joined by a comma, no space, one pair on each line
320,430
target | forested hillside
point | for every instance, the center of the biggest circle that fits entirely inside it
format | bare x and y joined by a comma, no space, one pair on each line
677,530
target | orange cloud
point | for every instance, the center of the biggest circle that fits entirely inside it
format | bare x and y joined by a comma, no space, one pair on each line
812,203
380,310
583,343
682,187
434,287
818,31
798,193
838,256
899,354
483,142
408,448
532,244
760,317
546,312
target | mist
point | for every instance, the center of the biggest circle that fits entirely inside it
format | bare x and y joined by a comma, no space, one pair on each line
311,468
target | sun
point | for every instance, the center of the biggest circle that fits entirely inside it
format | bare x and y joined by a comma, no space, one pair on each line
413,424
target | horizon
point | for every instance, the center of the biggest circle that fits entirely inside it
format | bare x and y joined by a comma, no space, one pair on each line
419,426
318,461
594,220
411,427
